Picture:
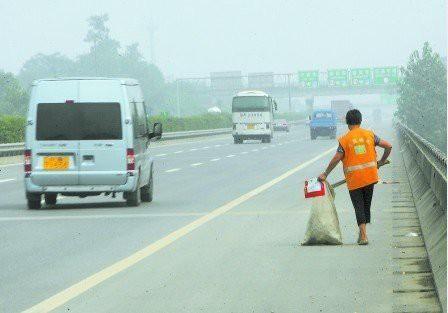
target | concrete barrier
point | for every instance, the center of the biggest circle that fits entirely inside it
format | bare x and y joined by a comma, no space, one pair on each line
428,185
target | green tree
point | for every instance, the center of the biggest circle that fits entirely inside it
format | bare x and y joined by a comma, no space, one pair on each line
422,96
13,98
45,66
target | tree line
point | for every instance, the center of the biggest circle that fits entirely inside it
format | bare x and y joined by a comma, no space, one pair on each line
422,96
106,57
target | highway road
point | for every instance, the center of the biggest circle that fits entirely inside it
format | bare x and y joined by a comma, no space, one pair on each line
222,235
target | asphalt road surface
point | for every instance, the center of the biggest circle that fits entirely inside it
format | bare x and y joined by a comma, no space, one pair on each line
222,235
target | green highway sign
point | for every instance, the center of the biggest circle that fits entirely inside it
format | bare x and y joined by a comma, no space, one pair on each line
338,77
309,79
360,76
385,75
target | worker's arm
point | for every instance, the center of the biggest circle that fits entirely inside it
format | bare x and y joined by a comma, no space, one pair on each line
387,149
334,161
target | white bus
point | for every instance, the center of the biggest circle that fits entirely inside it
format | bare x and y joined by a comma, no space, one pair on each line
253,116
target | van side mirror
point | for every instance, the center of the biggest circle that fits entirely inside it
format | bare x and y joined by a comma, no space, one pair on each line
156,131
275,105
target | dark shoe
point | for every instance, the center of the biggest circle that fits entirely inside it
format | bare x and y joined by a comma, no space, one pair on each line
363,242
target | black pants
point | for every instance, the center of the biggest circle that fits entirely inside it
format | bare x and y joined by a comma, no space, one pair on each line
362,199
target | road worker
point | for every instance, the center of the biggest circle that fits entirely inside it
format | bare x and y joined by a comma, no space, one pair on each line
358,155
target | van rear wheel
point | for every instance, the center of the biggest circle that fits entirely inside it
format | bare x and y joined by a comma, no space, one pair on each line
147,190
50,198
33,201
133,198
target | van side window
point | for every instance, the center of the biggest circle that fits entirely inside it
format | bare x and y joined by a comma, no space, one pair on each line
140,126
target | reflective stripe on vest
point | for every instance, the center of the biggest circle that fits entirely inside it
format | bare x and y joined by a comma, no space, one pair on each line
360,167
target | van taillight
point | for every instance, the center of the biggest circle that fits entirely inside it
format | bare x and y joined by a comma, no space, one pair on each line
130,159
27,162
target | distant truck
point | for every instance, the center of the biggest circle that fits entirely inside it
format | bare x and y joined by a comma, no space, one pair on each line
323,123
340,107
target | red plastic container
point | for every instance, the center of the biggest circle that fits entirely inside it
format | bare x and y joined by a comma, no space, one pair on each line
314,188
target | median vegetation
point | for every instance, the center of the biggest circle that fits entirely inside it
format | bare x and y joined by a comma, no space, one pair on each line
195,122
12,127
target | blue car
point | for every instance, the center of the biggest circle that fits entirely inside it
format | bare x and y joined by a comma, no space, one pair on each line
323,123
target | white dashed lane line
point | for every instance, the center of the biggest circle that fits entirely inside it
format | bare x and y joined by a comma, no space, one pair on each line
244,152
214,160
12,164
6,180
254,150
172,170
216,146
160,154
193,149
230,156
264,148
180,151
196,164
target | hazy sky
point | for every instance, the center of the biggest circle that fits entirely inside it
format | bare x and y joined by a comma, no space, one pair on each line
196,37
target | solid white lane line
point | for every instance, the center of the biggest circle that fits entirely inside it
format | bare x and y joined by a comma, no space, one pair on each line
88,283
230,156
160,154
196,164
172,170
180,151
6,180
214,160
12,164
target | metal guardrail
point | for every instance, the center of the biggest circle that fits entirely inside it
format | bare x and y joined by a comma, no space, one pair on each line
430,159
11,149
195,133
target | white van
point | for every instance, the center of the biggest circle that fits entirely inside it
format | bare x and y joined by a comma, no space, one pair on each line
86,137
253,116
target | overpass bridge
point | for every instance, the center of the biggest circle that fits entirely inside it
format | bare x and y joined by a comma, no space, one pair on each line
222,86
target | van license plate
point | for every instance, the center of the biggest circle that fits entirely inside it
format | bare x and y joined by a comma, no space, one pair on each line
56,162
250,126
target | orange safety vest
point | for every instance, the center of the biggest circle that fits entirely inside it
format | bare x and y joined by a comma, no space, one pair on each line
359,162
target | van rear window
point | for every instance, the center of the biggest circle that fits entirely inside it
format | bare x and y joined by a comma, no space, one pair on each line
78,121
323,115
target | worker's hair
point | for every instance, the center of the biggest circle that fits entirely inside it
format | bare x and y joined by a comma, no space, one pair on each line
353,117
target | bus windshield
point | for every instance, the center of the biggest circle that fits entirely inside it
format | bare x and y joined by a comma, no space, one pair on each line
250,104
